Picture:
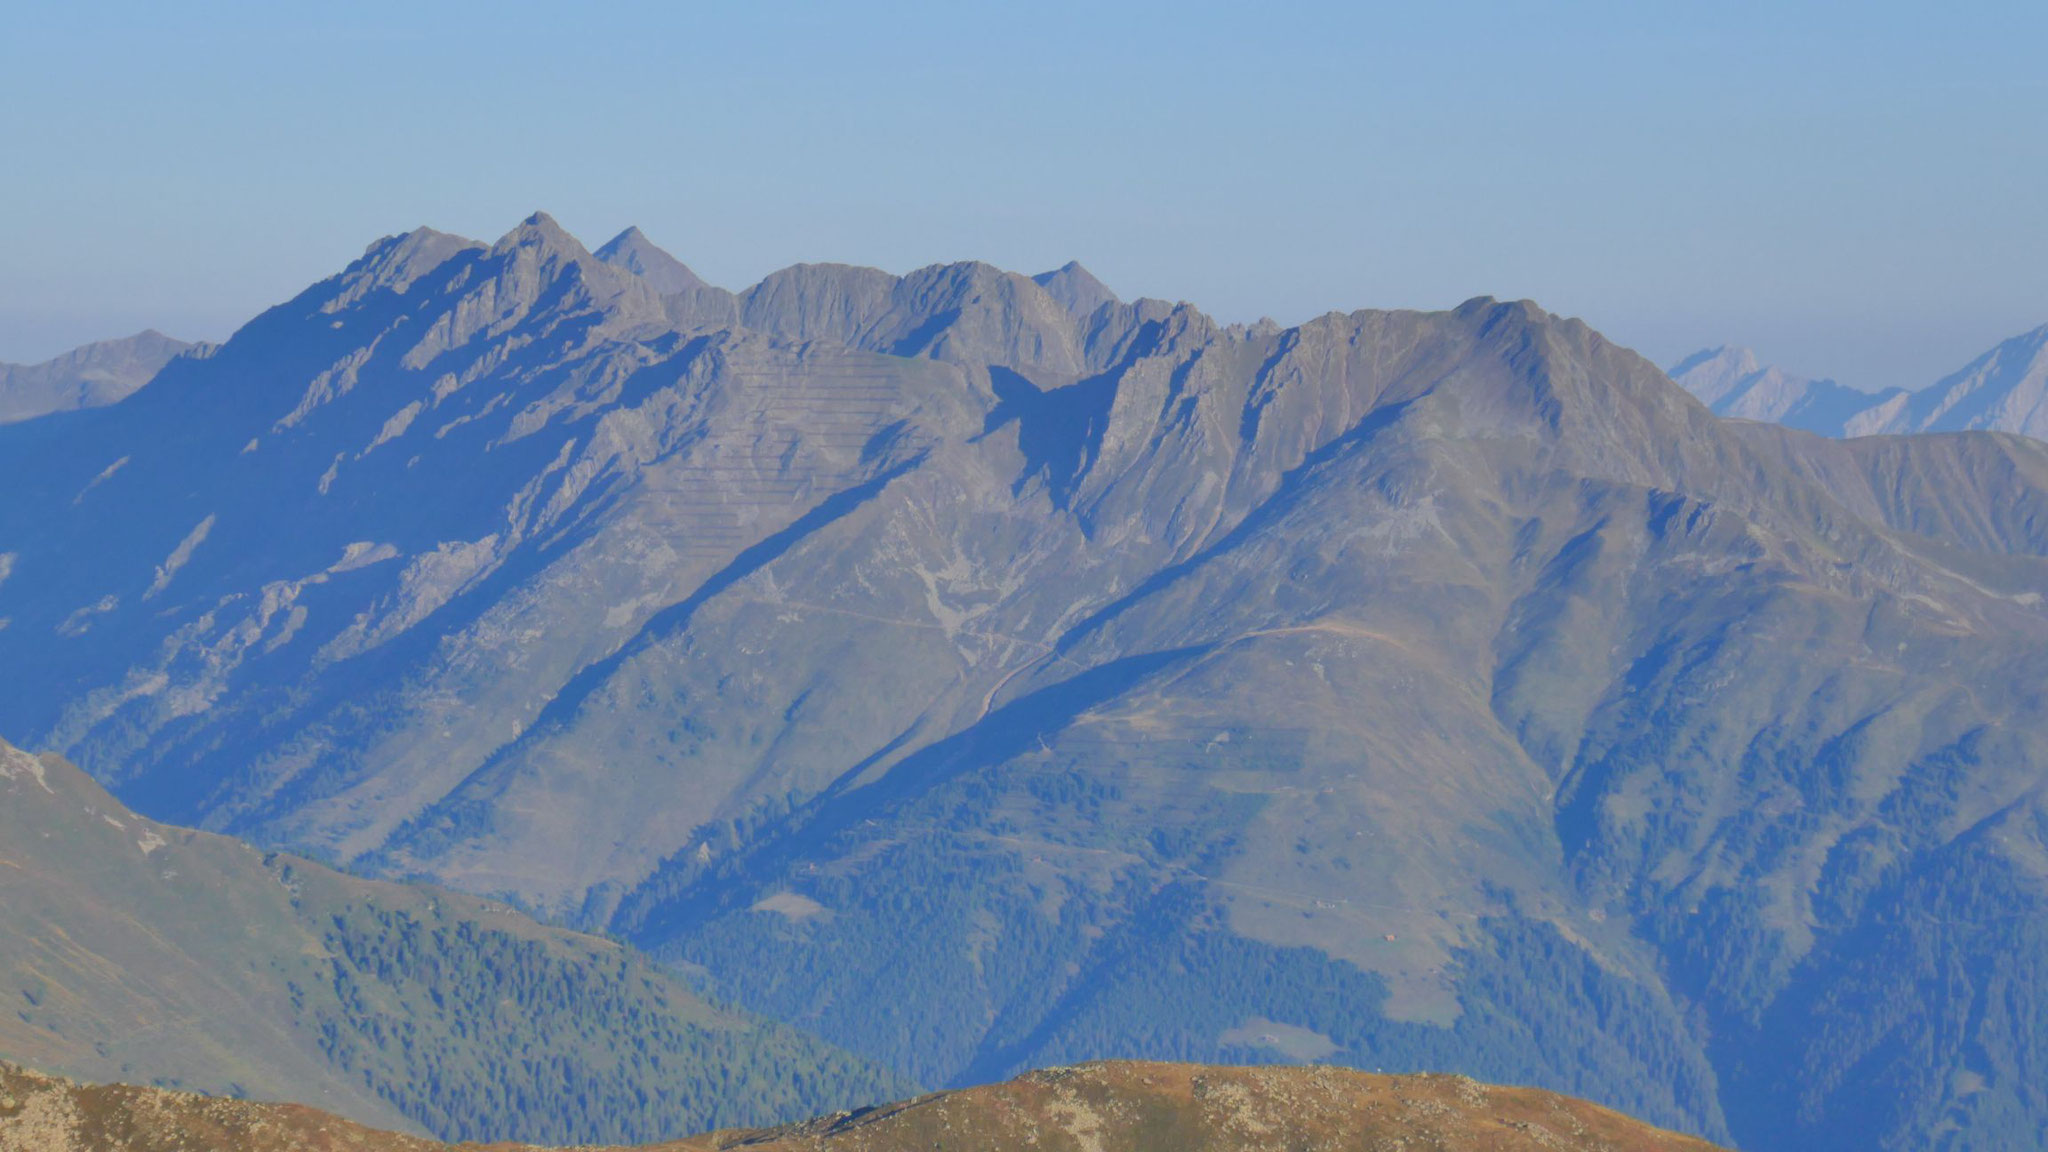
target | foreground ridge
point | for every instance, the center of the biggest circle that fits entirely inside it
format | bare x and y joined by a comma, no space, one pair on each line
1106,1107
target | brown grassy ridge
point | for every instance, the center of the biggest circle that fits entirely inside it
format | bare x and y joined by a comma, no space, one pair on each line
1112,1106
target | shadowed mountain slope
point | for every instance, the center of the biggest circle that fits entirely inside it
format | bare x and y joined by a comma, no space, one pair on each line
981,684
1104,1107
89,377
139,951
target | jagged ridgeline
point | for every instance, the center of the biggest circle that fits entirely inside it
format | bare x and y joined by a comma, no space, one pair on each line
981,672
137,951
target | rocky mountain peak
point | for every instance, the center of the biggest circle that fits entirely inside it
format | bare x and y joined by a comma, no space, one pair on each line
1077,289
1712,373
2005,389
396,263
634,252
809,301
1731,357
540,233
539,276
964,313
1494,311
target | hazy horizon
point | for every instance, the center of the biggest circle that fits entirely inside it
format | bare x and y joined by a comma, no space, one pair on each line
1847,191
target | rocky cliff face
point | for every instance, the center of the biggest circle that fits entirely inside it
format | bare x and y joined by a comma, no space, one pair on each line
1098,1107
986,673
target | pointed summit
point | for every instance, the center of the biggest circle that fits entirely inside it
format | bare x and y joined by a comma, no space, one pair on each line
1077,289
1732,356
633,252
2004,390
539,231
1713,373
541,221
395,262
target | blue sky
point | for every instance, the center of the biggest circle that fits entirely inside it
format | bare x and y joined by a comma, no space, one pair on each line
1854,189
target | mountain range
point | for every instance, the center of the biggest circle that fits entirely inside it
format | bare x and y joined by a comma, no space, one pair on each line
980,672
2004,390
1102,1107
87,377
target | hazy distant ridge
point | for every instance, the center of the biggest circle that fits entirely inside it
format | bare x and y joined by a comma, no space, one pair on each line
2004,390
86,377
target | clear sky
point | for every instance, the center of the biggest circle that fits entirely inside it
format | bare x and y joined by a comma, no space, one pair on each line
1858,190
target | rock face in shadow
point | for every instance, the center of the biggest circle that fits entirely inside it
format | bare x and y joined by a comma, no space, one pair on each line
1114,1107
985,684
138,951
89,377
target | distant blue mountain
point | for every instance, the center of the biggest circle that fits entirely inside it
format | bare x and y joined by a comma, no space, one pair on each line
2004,390
87,377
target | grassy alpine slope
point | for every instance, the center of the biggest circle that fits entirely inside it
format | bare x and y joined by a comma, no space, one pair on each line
143,952
1092,1108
